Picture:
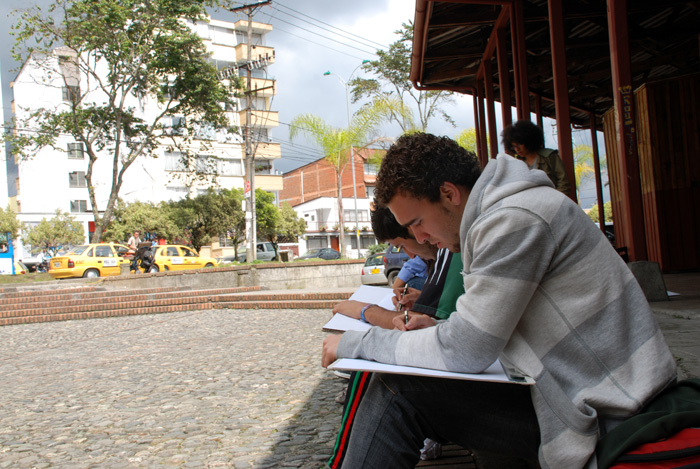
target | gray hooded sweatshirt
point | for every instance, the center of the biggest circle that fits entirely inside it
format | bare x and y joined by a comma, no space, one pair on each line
547,294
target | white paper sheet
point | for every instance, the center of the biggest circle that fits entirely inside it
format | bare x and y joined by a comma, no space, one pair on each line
494,373
341,323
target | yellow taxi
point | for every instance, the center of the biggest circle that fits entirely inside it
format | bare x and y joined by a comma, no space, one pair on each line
177,257
89,260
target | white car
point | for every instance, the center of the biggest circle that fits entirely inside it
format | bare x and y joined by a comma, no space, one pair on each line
373,270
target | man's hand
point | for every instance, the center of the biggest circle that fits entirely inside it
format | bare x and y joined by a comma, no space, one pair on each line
408,300
330,348
350,308
415,321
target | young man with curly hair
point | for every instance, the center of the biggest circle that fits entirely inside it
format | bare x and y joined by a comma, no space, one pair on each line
545,293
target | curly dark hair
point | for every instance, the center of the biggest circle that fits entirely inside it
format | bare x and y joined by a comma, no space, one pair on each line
419,163
385,226
525,133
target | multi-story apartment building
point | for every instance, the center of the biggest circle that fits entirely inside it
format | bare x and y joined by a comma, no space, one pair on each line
55,178
312,191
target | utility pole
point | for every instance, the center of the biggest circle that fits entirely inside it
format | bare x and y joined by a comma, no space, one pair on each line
249,152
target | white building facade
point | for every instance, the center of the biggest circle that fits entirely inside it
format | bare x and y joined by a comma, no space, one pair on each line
55,178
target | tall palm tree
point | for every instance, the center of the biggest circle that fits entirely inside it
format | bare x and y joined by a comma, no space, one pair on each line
336,144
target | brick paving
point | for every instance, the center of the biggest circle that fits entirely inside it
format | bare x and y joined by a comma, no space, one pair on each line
233,388
207,388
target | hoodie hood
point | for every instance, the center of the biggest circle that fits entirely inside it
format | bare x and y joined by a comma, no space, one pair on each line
502,177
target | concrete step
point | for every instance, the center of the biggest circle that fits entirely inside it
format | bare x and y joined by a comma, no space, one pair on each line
91,302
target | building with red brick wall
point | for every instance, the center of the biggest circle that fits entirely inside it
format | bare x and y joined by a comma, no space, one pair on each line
312,190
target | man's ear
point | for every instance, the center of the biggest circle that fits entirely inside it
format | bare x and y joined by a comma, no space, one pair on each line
451,194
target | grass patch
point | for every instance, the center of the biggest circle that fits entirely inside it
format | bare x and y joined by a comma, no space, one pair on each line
25,278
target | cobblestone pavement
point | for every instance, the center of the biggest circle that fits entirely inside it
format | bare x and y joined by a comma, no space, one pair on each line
211,388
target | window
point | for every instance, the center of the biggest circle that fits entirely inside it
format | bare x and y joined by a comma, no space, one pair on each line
230,167
371,168
206,164
172,252
77,179
78,206
369,192
103,251
175,125
174,161
349,215
255,38
316,242
263,167
76,151
71,94
365,241
188,253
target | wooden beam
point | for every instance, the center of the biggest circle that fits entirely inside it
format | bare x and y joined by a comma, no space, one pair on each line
626,139
561,91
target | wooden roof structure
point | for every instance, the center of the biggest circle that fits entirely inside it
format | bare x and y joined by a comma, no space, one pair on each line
570,60
452,40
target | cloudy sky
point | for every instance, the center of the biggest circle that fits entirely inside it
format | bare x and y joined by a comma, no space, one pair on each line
310,37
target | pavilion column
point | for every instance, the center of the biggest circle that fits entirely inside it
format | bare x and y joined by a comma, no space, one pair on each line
626,138
504,77
490,109
561,91
481,129
517,32
598,178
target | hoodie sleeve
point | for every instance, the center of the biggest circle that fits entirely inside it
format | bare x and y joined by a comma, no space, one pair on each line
508,252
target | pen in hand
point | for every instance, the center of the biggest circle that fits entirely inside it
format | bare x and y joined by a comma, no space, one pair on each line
401,306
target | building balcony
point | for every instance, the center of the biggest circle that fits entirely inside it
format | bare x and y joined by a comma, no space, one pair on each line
268,182
266,87
265,119
258,28
268,151
262,54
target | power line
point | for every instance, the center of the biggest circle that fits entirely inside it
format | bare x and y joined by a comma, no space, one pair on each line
343,33
325,37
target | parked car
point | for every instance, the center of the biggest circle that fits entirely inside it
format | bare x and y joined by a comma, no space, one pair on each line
263,252
20,268
89,260
321,253
177,257
394,259
373,270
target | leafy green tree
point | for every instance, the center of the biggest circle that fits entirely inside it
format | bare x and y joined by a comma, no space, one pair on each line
9,222
267,216
467,139
119,52
291,225
146,217
61,230
607,212
392,89
336,144
235,225
206,216
583,164
376,248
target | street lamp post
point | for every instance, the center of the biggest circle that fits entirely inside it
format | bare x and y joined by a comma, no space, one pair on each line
352,154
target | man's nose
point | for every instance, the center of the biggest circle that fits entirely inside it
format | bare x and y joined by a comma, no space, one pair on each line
420,235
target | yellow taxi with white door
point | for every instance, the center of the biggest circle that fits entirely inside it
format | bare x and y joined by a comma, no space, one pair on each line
89,260
177,257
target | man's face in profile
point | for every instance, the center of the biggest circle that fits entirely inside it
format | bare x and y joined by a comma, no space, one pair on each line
430,222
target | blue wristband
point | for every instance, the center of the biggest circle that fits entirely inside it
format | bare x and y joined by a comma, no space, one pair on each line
362,312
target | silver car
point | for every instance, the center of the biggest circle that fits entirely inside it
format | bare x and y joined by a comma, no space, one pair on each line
373,270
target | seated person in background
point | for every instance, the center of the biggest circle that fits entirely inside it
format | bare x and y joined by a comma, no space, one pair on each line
526,140
413,273
437,300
